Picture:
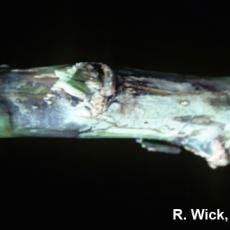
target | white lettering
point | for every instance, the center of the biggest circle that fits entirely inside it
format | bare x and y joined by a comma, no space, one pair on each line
177,213
197,213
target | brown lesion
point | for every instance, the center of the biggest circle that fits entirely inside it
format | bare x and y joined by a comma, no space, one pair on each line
162,86
47,80
198,120
146,85
142,90
141,86
28,83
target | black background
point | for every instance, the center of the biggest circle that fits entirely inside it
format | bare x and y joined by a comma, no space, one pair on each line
99,180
